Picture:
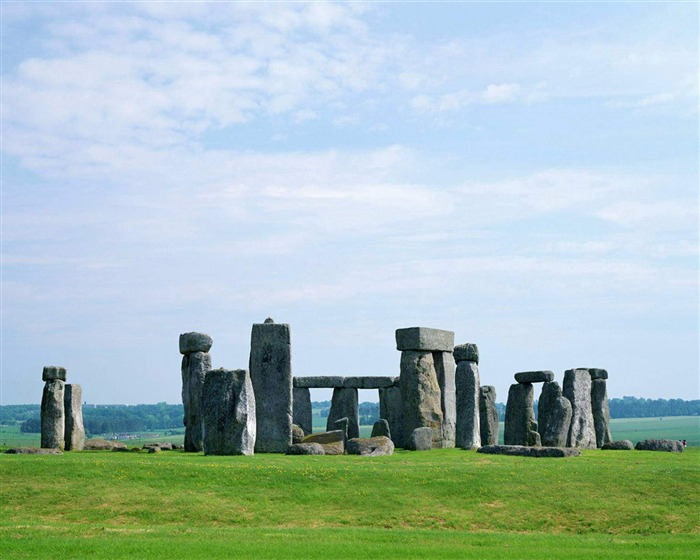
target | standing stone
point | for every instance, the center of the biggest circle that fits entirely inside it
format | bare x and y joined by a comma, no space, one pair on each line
194,368
344,405
420,394
446,377
228,413
520,417
391,409
488,415
303,415
577,388
553,415
73,407
468,434
271,374
381,428
601,411
52,415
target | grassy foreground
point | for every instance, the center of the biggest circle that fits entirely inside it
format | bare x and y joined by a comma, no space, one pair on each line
437,504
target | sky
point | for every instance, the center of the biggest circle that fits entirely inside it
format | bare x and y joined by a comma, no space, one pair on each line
523,174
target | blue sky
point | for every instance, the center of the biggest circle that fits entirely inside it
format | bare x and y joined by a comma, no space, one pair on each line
524,174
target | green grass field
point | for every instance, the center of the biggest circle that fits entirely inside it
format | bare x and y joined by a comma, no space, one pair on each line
440,504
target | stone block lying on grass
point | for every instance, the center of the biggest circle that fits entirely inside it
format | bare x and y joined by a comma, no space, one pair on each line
306,449
333,442
34,451
421,439
671,445
523,451
97,444
623,444
374,446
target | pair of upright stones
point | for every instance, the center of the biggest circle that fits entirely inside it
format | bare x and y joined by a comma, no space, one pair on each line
61,412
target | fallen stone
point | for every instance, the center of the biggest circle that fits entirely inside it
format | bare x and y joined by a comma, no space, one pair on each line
421,439
194,369
320,382
333,442
597,373
74,432
577,389
195,342
306,449
33,451
488,415
381,428
53,420
368,382
671,445
425,339
420,394
163,446
468,429
98,444
344,404
154,449
297,434
534,376
525,451
622,444
374,446
553,416
51,373
391,409
520,416
302,413
468,352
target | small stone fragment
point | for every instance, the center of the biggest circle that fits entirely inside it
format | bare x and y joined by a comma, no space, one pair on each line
374,446
421,439
381,428
297,434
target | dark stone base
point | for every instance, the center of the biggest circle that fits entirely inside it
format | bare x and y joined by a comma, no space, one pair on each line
522,451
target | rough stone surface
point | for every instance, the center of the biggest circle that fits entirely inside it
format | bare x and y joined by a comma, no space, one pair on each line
53,422
344,405
425,339
303,416
369,382
333,442
421,439
601,411
520,416
74,432
445,370
228,413
271,374
297,434
622,444
99,444
194,368
33,451
468,430
577,389
374,446
195,342
671,445
488,415
391,409
420,394
154,449
468,352
306,449
381,428
534,376
553,416
342,425
51,373
320,382
597,373
525,451
533,439
163,445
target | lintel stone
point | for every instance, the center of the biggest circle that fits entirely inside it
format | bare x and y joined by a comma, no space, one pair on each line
597,373
534,376
425,339
320,382
51,373
369,382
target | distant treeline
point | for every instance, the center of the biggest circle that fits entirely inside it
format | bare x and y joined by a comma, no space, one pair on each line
108,419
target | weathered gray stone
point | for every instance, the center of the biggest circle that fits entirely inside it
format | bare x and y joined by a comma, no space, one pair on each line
154,449
271,374
195,366
488,415
303,416
306,449
597,373
344,405
601,411
228,413
320,382
525,451
445,370
195,342
333,442
162,445
74,433
421,439
381,428
391,409
51,373
520,416
553,415
533,439
33,451
297,434
377,382
372,447
420,394
577,389
99,444
53,421
622,445
468,352
425,339
468,432
671,445
534,376
342,425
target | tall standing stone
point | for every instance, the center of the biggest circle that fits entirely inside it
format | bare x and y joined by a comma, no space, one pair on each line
196,362
468,429
600,406
344,404
53,408
74,427
228,413
553,415
488,415
577,389
271,374
391,409
520,416
303,415
446,375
